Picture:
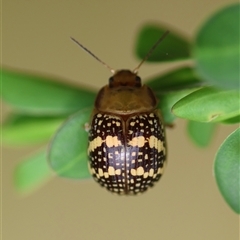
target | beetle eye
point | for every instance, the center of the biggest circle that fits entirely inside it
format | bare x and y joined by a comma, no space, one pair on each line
110,81
138,81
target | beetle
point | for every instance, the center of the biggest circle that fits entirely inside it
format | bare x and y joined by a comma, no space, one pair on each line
127,143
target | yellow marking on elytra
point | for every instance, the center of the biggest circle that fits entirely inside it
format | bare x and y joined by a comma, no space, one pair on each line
145,175
137,141
106,175
90,169
140,171
151,172
96,142
100,172
118,172
133,172
162,169
156,143
111,171
112,141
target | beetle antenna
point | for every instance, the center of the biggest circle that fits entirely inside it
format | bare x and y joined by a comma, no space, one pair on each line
98,59
150,51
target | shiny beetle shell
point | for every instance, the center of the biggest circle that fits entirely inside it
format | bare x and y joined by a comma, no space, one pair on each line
127,147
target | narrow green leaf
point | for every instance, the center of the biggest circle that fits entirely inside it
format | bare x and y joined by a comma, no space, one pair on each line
167,100
22,130
32,173
177,79
227,170
217,48
173,47
208,104
201,133
37,95
68,149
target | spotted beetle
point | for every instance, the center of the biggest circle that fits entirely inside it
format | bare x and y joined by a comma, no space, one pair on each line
127,145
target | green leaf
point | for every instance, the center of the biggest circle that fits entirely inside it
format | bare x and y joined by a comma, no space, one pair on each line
37,95
173,47
167,100
27,130
217,48
68,149
201,133
164,86
208,104
180,78
232,120
227,170
32,173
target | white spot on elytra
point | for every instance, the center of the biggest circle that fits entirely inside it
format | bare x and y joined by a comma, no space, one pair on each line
150,122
